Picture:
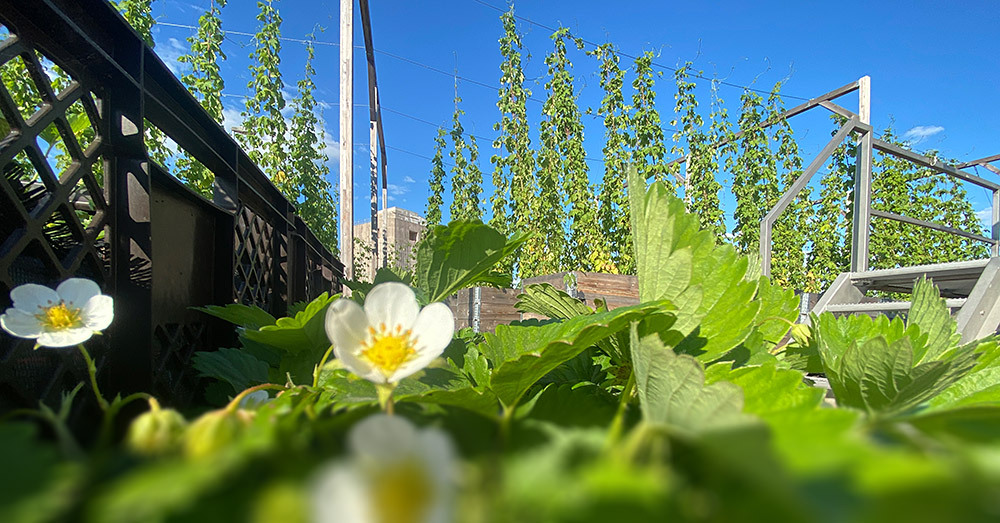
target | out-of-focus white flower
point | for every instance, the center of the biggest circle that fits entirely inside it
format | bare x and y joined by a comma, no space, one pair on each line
67,316
391,337
254,400
396,473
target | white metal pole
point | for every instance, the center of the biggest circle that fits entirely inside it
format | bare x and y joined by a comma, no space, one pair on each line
346,141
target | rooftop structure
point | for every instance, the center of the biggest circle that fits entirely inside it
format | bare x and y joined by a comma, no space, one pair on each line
402,229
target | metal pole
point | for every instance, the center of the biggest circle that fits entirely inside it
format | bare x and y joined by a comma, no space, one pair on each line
376,131
804,307
995,229
862,182
346,141
477,304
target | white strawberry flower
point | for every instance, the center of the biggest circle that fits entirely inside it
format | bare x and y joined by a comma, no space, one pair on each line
391,337
67,316
395,472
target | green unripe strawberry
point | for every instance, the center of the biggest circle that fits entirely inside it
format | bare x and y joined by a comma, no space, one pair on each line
157,431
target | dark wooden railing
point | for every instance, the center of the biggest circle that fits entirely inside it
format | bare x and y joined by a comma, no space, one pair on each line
105,211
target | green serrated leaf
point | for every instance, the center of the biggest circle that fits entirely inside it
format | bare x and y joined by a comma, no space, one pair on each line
776,304
247,316
506,342
541,349
477,368
679,261
461,255
548,301
484,403
880,378
234,366
584,405
663,235
980,387
973,423
301,339
834,335
672,391
767,390
929,313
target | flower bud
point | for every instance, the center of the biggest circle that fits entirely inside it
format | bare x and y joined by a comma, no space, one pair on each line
157,431
211,432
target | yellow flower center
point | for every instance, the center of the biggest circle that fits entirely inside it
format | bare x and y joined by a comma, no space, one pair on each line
59,317
388,350
402,494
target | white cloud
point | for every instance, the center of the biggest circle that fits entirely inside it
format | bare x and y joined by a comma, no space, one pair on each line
169,52
985,216
331,148
396,191
231,117
408,179
190,7
921,132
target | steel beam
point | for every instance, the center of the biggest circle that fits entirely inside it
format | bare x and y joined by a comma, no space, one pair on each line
933,163
995,224
981,161
798,109
932,225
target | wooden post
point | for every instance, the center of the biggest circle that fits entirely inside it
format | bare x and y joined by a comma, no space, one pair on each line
862,182
346,141
865,99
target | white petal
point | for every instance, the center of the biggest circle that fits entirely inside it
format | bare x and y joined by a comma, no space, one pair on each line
21,324
437,452
340,493
98,312
65,337
383,439
76,292
391,304
30,297
432,331
347,326
436,449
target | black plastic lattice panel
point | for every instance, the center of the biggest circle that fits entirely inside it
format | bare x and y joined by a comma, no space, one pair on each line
52,211
252,278
174,378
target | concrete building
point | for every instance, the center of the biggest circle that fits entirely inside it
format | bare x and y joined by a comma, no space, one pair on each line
403,229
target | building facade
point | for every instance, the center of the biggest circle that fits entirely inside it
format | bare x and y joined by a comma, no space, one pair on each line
402,229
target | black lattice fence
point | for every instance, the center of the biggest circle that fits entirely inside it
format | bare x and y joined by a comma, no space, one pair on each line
80,197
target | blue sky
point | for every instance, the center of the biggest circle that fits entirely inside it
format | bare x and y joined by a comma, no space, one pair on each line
935,68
